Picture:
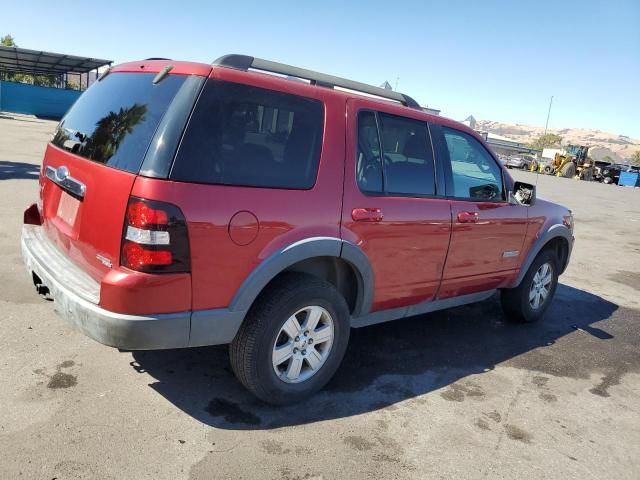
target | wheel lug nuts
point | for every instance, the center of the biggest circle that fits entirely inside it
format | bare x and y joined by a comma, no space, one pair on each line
306,333
310,342
297,339
295,350
304,352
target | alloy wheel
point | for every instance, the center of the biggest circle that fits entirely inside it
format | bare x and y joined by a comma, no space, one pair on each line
303,344
541,286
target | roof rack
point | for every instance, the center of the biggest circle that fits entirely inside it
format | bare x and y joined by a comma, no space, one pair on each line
245,62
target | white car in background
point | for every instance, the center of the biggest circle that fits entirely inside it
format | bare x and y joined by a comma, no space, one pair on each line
519,161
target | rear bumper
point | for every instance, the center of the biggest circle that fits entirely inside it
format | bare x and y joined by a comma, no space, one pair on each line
76,297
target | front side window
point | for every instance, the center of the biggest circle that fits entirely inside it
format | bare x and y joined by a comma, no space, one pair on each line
248,136
475,174
406,164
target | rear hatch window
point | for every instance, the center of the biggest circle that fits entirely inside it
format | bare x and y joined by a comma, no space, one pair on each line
113,122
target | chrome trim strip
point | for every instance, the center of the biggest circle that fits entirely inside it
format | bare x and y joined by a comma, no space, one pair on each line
60,177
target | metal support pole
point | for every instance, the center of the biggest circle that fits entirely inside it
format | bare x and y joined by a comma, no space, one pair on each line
548,115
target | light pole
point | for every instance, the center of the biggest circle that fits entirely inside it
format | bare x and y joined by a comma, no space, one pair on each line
548,115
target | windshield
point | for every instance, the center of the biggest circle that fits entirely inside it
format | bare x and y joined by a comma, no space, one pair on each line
113,122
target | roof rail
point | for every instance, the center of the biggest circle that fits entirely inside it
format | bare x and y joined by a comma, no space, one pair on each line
245,62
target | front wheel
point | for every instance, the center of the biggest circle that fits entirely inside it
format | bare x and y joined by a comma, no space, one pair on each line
529,301
568,170
293,339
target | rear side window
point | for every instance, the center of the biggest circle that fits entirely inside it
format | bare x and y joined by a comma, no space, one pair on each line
408,157
248,136
113,122
406,164
368,161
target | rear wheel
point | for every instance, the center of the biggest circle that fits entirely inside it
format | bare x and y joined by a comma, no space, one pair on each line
529,301
293,339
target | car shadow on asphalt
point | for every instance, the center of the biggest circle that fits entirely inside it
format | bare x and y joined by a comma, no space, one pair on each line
18,170
390,363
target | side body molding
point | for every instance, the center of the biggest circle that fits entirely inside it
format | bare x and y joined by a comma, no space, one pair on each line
554,231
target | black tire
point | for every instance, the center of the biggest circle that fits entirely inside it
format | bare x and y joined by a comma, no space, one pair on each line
515,301
568,170
251,350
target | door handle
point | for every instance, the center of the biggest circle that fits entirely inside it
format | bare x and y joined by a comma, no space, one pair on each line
367,214
468,217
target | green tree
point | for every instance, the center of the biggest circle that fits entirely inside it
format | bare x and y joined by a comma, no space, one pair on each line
549,140
635,158
7,41
42,80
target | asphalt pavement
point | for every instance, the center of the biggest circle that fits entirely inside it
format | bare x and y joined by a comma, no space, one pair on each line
455,394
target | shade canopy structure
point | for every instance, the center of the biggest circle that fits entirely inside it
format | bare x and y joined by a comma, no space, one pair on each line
37,62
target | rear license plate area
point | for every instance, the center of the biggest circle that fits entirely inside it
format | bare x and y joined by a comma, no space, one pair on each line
68,209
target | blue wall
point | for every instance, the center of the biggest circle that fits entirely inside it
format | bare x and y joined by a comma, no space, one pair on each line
40,101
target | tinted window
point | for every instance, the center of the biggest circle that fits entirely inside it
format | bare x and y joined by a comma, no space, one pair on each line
243,135
475,174
114,120
368,164
408,158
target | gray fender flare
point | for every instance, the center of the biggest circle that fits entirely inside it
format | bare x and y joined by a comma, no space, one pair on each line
303,250
554,231
364,273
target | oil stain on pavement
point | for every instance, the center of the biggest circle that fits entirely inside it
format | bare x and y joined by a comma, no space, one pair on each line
60,379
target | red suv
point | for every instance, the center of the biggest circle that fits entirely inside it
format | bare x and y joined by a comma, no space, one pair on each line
274,208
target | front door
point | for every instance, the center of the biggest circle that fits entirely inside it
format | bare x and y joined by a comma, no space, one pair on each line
392,209
488,231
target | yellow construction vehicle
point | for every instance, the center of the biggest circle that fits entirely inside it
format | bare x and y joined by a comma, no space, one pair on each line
573,162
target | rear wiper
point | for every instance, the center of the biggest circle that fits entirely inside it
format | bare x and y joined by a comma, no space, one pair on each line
162,74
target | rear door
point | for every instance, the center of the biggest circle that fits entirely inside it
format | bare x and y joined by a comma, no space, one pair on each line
391,208
92,161
488,231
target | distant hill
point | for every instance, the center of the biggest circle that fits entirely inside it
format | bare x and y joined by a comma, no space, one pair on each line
618,147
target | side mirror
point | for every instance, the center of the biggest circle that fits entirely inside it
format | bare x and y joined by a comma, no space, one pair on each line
522,194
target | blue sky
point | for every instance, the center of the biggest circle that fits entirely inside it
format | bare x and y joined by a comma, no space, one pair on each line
497,60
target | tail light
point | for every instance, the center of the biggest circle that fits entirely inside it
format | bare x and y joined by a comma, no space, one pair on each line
155,237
